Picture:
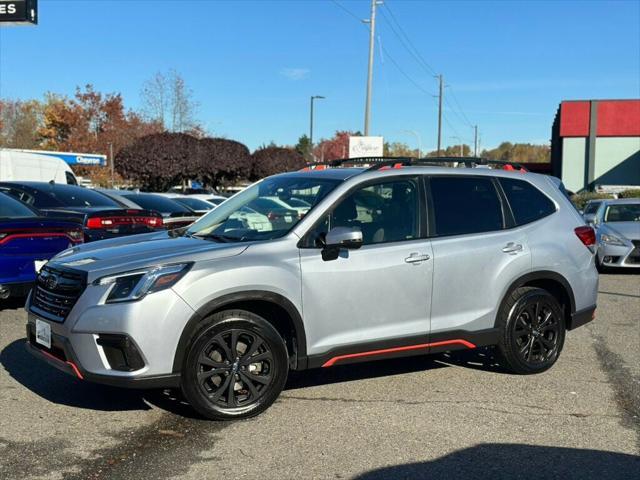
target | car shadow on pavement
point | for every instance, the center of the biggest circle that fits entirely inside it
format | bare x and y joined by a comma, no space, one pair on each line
60,388
510,461
12,303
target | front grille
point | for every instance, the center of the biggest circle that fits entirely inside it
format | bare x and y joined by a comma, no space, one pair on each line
56,292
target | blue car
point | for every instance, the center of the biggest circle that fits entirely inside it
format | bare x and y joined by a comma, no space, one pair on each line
27,241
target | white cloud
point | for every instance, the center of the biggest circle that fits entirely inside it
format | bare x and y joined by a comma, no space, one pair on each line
295,74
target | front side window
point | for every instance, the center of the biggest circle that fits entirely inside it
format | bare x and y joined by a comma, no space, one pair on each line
464,205
263,211
528,204
384,212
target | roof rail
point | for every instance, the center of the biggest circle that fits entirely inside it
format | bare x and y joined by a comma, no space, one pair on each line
384,163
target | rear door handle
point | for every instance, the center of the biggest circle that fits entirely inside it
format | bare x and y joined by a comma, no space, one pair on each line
416,258
512,248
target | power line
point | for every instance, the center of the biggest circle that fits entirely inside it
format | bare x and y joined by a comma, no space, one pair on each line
416,53
455,99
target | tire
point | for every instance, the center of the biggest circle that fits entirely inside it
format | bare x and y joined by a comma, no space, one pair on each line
532,330
226,375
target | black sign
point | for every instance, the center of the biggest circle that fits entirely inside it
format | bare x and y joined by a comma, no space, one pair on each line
17,12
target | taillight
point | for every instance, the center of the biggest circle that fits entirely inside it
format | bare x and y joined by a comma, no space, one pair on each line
110,222
587,235
76,235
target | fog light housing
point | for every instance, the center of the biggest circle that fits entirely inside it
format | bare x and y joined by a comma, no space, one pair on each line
122,354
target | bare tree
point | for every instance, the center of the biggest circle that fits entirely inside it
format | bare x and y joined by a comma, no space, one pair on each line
166,99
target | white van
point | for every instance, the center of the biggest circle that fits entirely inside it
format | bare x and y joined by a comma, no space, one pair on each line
25,165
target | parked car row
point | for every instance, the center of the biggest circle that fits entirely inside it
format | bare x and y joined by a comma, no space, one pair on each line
40,219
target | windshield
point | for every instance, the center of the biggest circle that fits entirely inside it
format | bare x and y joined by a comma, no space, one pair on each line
156,202
13,208
629,212
262,211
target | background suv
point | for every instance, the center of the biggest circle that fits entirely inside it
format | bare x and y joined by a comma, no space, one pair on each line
386,262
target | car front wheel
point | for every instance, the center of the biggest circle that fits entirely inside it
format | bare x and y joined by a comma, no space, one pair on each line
236,366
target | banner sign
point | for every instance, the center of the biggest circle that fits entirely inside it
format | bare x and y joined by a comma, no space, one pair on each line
78,158
366,147
18,12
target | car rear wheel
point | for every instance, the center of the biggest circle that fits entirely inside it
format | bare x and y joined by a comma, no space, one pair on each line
532,330
236,366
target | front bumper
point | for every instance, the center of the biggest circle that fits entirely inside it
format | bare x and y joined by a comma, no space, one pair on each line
625,256
83,344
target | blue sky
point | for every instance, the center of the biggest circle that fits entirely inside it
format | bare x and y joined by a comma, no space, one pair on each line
253,64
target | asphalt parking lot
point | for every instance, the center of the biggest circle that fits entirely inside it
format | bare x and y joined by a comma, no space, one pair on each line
454,416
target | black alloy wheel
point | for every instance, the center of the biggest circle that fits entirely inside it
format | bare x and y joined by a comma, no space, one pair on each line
536,332
236,366
532,330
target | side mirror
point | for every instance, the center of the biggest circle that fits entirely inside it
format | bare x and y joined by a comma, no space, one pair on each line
589,218
340,237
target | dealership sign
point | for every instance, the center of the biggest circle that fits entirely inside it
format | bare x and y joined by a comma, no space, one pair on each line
366,147
18,12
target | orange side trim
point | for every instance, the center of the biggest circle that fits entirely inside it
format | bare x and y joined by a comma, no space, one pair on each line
333,360
71,364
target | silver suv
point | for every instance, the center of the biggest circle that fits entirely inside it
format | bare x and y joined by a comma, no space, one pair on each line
380,262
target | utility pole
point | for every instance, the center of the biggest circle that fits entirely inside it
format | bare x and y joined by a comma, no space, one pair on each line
440,94
372,31
111,162
313,97
475,141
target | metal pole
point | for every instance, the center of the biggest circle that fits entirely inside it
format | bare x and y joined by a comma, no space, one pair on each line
311,130
372,29
313,97
112,166
475,141
440,113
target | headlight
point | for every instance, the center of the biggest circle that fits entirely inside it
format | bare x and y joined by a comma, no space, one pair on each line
611,239
134,285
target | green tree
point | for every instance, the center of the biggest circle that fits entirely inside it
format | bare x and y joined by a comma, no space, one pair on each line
303,147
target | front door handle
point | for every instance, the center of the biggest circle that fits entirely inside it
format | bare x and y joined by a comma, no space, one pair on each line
416,258
512,248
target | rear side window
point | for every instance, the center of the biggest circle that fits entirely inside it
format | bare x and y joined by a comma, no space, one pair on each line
528,204
592,207
465,205
158,203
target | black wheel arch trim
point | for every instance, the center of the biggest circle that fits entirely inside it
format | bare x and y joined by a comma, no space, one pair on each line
542,275
245,296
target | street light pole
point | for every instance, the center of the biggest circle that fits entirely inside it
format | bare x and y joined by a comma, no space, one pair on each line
111,162
313,97
475,140
372,32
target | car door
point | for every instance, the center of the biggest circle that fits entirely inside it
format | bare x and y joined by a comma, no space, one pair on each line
377,296
476,254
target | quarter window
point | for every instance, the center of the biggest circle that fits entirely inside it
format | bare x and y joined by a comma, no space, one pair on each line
527,202
464,205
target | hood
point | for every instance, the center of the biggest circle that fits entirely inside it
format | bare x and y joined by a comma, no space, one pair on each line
138,251
629,230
